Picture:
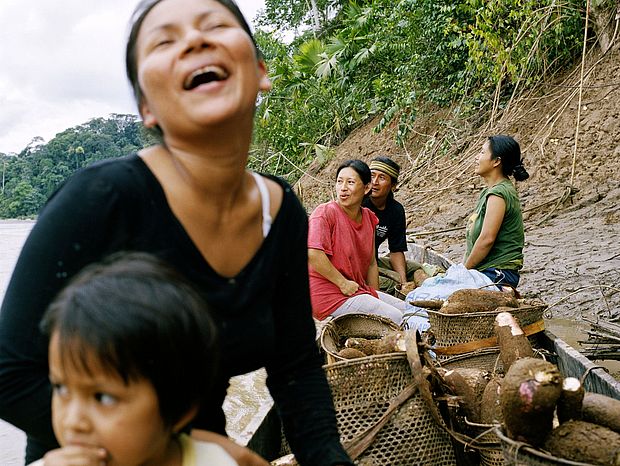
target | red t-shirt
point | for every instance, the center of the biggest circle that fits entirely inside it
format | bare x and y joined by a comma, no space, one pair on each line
348,246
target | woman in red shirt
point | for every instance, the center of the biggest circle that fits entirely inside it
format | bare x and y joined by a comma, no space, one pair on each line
341,252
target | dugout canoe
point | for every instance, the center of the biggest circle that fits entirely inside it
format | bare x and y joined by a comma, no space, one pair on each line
264,432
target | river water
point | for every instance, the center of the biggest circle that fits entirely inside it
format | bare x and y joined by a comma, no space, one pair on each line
246,403
12,237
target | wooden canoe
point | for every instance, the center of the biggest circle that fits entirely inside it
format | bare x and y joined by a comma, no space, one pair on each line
265,433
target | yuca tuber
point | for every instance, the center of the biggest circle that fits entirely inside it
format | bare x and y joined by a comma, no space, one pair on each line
407,287
366,346
350,353
571,400
464,301
468,385
491,408
585,442
427,303
602,410
419,276
513,344
392,342
529,394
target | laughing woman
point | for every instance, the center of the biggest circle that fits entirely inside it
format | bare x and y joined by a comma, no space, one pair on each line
239,237
495,236
344,276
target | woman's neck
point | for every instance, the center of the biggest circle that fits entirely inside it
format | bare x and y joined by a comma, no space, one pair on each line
211,172
353,212
493,178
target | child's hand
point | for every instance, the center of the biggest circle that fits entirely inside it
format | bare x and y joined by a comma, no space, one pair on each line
76,455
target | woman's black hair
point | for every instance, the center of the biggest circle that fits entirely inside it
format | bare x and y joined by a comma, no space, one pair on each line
508,150
137,18
359,166
136,317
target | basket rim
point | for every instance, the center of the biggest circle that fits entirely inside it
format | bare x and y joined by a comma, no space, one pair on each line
478,352
332,322
531,451
542,307
362,315
358,361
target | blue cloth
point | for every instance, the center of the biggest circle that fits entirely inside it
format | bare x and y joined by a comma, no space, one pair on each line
441,286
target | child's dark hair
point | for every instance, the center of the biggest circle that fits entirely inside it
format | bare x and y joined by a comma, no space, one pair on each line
506,148
140,319
359,166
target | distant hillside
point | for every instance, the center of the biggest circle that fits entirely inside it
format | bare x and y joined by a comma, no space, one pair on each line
29,177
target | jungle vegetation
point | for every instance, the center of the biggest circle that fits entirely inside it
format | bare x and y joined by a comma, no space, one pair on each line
338,64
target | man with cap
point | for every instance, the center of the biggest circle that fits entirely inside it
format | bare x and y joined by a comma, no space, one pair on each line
394,270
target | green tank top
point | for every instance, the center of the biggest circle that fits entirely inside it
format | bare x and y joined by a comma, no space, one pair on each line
507,251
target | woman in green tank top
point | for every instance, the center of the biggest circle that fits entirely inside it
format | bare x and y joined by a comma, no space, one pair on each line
495,236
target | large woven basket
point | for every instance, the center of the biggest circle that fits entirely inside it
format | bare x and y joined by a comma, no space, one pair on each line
486,359
519,454
335,332
362,389
455,329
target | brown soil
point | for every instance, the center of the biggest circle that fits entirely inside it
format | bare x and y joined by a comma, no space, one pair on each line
572,251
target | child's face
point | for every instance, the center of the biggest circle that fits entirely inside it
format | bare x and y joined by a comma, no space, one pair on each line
99,410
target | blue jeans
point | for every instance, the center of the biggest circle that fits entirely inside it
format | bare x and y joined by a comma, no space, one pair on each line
502,276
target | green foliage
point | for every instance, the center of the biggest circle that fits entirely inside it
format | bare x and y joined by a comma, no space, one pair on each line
31,176
379,59
514,42
387,57
294,14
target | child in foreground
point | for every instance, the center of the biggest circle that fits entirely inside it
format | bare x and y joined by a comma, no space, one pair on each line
132,352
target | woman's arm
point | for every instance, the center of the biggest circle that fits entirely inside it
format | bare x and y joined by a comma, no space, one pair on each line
320,262
69,232
372,277
296,379
496,208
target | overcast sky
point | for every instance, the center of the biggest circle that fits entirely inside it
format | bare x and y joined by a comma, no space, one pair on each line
61,64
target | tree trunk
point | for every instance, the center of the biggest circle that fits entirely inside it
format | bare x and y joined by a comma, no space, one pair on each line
605,16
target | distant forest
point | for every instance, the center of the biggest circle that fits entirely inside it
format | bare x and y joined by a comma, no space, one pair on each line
350,61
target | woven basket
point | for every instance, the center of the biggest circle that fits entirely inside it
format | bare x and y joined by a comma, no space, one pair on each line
491,452
486,359
336,332
518,454
454,329
362,389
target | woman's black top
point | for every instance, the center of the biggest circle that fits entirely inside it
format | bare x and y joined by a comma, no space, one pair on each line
263,313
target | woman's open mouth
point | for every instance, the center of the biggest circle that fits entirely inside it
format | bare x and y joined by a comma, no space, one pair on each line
204,75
